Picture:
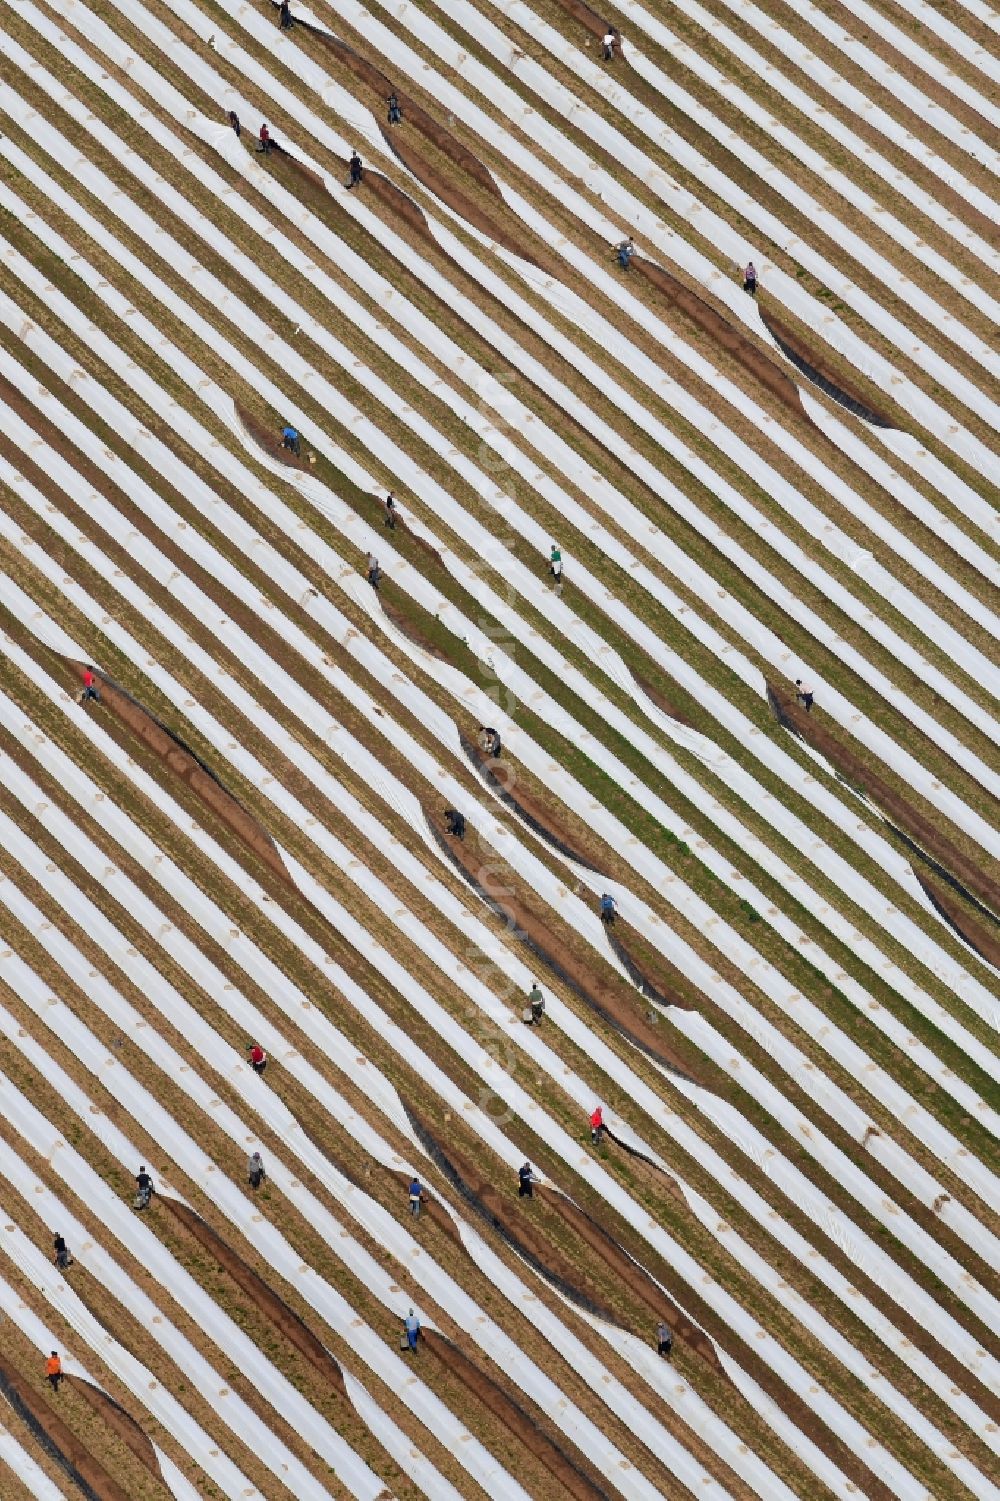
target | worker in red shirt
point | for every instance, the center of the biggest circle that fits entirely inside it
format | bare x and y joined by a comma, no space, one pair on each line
89,687
597,1126
257,1057
265,139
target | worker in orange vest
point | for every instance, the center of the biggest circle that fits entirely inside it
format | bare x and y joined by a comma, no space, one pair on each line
54,1370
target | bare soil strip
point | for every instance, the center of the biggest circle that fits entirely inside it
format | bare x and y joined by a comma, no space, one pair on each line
813,365
57,1439
977,935
646,975
126,1427
421,169
929,842
531,930
263,1297
501,776
569,1472
181,762
525,1241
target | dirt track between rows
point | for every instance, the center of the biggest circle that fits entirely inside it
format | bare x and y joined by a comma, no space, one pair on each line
907,821
78,1464
618,1009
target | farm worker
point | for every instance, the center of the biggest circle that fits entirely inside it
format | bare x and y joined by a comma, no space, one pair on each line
374,571
608,43
750,279
626,250
390,511
144,1182
265,139
416,1193
284,15
597,1126
804,694
59,1246
290,439
455,822
412,1326
490,740
607,908
54,1370
525,1182
356,170
234,121
664,1341
395,113
256,1057
537,1003
255,1170
90,689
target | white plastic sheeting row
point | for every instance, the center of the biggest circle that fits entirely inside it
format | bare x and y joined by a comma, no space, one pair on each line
223,141
297,588
384,1230
826,77
866,895
434,1013
43,1136
634,212
923,13
794,1184
790,499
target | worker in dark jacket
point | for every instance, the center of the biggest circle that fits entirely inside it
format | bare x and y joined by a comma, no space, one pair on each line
536,1005
356,170
61,1252
526,1182
455,822
395,113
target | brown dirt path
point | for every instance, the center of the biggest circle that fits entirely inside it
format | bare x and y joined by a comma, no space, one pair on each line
181,762
740,348
654,982
617,1263
126,1427
978,935
910,824
398,141
263,1297
616,1008
525,1239
815,367
570,1472
502,777
57,1438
